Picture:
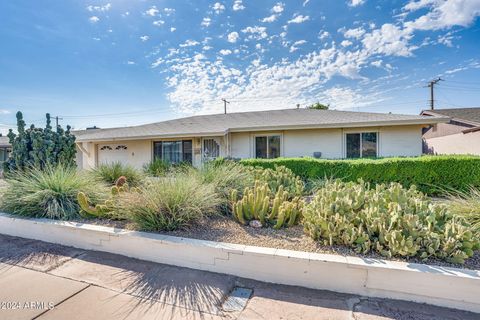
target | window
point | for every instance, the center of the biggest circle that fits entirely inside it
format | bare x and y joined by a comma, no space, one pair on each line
361,145
211,149
267,147
173,151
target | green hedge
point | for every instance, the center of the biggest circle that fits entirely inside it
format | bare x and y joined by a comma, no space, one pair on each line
431,174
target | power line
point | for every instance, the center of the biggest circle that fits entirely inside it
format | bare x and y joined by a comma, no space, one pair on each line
431,84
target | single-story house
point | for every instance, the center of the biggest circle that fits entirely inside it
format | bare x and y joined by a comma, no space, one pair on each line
460,135
329,134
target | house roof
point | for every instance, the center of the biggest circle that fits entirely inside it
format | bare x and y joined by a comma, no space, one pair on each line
220,124
468,115
4,141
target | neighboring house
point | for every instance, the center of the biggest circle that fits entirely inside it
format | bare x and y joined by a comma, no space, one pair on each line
327,134
461,135
5,149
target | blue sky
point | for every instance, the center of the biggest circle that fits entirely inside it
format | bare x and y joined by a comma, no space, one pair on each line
125,62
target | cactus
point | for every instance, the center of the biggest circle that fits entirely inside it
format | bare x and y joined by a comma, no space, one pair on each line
108,206
282,177
389,219
256,203
40,147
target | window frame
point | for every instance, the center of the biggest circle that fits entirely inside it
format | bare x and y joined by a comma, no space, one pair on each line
182,148
267,135
377,143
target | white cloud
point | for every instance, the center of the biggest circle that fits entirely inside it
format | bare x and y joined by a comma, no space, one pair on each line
169,11
256,32
94,19
278,8
225,52
346,43
206,22
323,35
153,11
233,37
130,62
238,5
305,3
388,40
270,19
195,84
443,14
354,3
218,7
104,8
158,23
295,45
354,33
446,39
144,38
299,19
190,43
346,98
455,70
377,63
172,29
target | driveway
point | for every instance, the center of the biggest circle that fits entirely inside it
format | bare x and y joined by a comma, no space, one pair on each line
45,281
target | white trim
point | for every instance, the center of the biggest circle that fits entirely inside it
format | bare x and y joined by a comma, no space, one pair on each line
442,286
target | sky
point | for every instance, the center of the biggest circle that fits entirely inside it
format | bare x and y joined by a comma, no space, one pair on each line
125,62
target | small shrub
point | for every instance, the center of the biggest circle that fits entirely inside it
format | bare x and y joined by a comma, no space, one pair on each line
157,168
467,205
430,174
110,172
388,219
257,204
280,176
168,203
50,192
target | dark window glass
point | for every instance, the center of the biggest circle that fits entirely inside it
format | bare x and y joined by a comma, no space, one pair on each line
187,151
261,147
353,145
369,144
157,150
273,147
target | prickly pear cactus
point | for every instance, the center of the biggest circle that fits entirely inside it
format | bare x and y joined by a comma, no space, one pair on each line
283,177
389,219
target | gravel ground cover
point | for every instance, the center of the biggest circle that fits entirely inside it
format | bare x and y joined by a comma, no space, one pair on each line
224,229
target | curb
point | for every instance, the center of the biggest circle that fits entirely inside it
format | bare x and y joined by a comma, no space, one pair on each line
441,286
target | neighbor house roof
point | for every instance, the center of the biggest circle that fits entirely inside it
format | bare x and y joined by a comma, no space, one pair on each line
467,115
4,141
220,124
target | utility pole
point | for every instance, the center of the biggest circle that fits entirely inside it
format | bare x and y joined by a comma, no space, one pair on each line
225,105
56,121
431,85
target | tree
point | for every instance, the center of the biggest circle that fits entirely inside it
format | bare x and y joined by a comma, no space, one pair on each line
40,147
319,106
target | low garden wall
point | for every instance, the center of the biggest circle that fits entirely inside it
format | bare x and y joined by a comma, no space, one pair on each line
431,174
447,287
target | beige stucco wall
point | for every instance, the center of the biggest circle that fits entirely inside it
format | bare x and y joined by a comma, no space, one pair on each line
392,141
460,143
400,141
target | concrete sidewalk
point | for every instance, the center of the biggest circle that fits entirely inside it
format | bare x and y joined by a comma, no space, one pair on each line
45,281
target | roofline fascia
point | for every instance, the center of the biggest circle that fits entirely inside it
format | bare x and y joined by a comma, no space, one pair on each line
432,120
153,137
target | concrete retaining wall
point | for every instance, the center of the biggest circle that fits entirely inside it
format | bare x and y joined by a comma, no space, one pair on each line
448,287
